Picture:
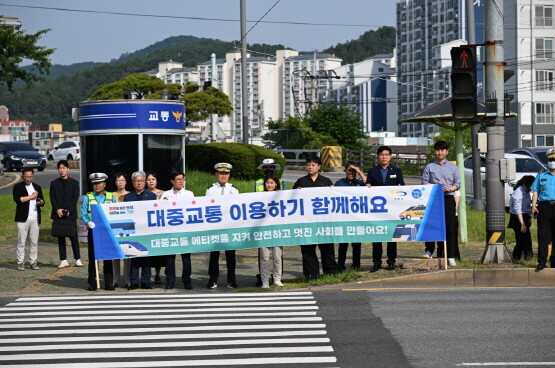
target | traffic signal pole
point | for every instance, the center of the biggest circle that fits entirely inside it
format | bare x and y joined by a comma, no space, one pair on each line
495,251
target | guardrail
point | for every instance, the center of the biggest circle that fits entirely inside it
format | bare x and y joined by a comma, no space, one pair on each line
297,156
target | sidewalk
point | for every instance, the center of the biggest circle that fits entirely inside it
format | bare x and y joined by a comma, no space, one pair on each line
50,279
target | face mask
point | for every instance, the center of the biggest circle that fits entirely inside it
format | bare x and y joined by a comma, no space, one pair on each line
551,165
268,173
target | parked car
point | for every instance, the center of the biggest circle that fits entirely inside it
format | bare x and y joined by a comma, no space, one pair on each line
536,152
525,165
19,155
68,150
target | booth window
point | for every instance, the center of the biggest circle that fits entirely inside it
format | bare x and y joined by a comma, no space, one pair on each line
110,154
162,154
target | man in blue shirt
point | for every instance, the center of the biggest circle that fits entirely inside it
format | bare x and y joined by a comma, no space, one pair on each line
384,174
350,180
444,172
139,194
543,194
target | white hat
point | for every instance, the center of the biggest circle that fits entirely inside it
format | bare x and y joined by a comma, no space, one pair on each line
98,177
269,162
223,167
550,153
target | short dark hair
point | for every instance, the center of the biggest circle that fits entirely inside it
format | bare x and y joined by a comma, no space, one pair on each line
148,173
384,148
175,173
314,159
27,169
62,162
441,145
349,163
120,173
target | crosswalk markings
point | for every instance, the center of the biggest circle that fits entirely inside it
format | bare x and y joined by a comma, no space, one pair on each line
164,331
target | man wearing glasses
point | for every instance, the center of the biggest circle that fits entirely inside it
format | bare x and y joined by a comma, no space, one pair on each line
380,175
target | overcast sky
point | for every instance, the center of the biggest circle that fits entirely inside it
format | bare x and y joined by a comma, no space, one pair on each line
88,36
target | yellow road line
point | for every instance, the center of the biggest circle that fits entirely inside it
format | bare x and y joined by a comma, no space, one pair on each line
17,179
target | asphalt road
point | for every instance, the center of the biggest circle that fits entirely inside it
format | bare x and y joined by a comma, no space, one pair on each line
331,328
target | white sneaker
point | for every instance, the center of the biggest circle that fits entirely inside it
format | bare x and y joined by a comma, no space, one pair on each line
278,283
64,263
265,285
451,262
78,263
428,255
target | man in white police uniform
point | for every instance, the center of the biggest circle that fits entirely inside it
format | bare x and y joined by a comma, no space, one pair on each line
222,187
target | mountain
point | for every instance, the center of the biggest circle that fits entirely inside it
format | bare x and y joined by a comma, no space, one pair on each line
380,41
53,100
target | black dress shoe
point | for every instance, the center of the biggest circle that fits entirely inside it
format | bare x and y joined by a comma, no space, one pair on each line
540,266
157,280
188,286
376,267
91,288
109,287
146,286
391,266
133,287
169,286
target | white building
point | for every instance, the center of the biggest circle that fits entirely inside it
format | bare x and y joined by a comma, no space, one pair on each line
529,51
302,80
182,76
369,87
426,30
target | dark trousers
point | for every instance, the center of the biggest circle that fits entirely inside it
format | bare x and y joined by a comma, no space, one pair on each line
342,255
451,231
546,231
311,266
377,252
170,269
523,240
108,266
74,246
144,264
214,266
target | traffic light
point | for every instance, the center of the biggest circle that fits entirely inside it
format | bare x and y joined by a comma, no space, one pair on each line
463,83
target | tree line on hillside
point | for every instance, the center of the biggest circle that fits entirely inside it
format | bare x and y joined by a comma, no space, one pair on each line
52,101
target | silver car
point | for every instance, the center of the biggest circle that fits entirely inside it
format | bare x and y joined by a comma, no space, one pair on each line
68,150
525,165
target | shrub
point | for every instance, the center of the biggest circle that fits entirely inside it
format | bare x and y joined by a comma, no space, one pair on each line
245,158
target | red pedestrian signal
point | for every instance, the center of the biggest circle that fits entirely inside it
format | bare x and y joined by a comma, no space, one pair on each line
463,83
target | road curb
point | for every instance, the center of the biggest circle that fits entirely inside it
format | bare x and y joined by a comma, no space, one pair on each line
459,278
8,179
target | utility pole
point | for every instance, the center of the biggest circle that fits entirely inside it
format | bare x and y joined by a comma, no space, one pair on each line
495,251
214,117
477,203
244,89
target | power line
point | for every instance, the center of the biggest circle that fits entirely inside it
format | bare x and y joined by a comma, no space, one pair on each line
193,18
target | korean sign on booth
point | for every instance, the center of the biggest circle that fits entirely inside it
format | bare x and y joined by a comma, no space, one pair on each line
266,219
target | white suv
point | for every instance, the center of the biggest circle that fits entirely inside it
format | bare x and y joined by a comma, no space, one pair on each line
68,150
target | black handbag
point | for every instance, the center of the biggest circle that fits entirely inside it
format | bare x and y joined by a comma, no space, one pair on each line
64,228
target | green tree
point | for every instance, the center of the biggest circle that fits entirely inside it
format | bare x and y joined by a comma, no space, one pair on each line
294,133
17,46
142,84
200,104
337,121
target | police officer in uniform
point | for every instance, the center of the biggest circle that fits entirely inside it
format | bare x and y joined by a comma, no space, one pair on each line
269,168
543,195
97,196
222,187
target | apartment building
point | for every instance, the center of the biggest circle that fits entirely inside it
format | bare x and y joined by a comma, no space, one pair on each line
369,88
529,51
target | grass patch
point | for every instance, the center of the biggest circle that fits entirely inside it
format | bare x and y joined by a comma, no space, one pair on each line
198,182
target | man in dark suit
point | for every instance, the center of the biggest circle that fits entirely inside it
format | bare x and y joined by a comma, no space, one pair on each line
381,175
28,198
64,194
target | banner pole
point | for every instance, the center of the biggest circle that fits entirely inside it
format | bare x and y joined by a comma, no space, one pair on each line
445,253
96,274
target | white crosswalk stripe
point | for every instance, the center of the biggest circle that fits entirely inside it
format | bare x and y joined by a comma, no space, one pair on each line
161,330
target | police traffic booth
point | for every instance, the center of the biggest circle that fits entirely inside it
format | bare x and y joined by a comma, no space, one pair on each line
131,135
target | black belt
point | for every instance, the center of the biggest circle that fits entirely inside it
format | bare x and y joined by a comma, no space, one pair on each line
547,202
